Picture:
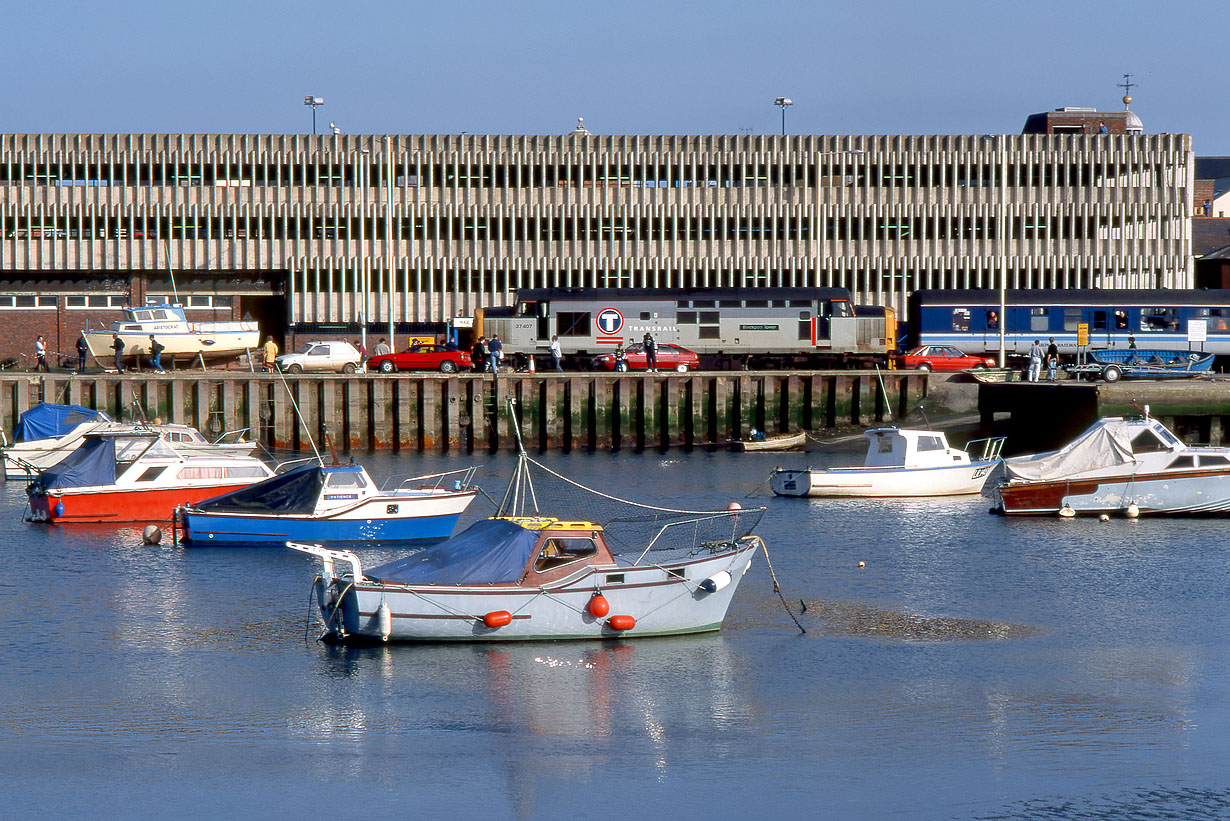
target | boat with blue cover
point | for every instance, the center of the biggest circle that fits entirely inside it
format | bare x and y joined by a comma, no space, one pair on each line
334,503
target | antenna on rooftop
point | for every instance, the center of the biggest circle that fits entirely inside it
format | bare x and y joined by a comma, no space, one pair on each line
1127,85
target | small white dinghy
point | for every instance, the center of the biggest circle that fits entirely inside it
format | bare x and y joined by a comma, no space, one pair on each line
899,462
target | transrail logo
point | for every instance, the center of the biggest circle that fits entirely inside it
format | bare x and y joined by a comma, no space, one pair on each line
610,322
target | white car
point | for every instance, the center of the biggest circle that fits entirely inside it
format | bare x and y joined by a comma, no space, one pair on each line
322,356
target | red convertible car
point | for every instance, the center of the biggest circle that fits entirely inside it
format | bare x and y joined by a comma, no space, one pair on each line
421,357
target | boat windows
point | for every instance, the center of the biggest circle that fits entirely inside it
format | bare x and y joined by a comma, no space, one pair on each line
1181,462
246,472
560,551
930,443
1214,461
1147,441
151,474
345,480
200,473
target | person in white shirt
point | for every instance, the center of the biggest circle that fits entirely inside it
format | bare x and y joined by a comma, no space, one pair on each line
382,347
40,351
556,354
1036,352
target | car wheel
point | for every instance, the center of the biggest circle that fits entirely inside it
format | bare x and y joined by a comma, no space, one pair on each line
348,367
681,368
924,367
296,368
387,366
1112,373
448,366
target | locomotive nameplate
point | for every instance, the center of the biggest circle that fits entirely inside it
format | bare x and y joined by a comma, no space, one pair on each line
759,327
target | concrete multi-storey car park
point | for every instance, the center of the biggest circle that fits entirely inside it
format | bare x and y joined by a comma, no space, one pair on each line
294,229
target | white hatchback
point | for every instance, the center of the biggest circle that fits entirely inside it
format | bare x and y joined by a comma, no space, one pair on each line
322,356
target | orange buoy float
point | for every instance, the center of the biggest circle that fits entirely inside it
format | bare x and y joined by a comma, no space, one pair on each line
599,606
621,623
497,618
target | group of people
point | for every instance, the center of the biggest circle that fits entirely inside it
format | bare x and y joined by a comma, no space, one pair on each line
488,354
83,350
1037,354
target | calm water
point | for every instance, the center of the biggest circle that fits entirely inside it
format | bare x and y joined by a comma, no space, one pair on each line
1090,680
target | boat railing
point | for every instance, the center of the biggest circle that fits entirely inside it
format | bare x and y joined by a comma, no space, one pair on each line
467,479
237,434
712,533
990,451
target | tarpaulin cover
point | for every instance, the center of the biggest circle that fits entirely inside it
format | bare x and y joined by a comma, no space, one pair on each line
89,465
47,421
292,492
1105,444
487,552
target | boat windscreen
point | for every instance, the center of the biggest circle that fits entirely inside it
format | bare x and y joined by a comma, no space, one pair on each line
292,492
492,551
90,465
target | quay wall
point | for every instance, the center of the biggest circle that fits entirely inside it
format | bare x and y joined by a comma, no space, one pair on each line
469,412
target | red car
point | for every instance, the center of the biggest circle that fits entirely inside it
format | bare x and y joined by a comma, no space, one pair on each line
670,358
942,358
421,357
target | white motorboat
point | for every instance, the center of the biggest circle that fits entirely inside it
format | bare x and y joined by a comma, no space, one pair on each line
899,462
1126,466
181,339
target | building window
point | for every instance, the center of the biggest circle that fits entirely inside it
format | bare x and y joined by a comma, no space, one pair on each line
81,303
28,301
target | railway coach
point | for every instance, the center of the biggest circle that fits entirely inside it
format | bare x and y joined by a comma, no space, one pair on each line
1154,319
726,327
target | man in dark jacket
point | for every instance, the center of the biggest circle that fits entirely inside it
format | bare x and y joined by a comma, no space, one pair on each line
118,346
83,348
651,352
497,353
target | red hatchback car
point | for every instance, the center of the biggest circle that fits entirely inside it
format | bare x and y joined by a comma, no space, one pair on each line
942,358
670,358
421,357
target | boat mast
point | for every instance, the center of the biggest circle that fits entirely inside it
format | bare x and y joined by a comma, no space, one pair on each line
174,292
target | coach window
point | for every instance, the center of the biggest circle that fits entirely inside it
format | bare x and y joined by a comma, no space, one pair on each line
1159,319
1071,318
1121,320
1039,319
1219,318
992,320
960,319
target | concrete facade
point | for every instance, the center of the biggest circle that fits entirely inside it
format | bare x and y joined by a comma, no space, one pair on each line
303,231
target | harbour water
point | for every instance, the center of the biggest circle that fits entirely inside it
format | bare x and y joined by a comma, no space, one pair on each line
974,667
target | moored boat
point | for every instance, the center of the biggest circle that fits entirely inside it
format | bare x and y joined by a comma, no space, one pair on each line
335,503
526,575
1133,363
180,338
133,476
1125,466
899,462
785,441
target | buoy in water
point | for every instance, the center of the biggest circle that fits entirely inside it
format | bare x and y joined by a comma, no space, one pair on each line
1132,511
497,618
599,606
862,564
1104,518
716,582
152,534
384,621
621,623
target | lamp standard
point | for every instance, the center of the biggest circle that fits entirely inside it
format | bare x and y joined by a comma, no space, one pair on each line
365,284
1005,233
388,234
314,103
783,103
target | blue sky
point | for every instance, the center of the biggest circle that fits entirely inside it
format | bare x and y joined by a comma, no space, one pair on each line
634,67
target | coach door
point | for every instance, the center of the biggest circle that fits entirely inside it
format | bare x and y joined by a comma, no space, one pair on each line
1102,326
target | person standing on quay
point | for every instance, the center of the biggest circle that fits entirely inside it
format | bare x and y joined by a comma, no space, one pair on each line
270,349
557,354
40,354
651,352
155,354
382,347
83,348
1035,360
117,345
495,350
479,354
1052,359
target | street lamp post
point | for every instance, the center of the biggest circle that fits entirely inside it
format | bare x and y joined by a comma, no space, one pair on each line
783,103
1005,233
365,283
388,233
314,102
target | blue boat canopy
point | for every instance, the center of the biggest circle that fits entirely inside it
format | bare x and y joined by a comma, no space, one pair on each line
49,421
493,551
294,492
91,464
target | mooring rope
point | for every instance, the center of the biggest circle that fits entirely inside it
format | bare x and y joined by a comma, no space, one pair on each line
777,587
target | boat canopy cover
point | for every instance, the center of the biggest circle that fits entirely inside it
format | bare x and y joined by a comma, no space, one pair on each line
93,463
294,492
1106,444
493,551
48,421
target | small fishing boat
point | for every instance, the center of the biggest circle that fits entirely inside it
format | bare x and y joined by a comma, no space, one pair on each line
758,442
523,574
336,503
133,476
181,339
1133,363
1125,466
47,433
899,462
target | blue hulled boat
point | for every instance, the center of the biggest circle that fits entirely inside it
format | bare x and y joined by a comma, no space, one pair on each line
337,503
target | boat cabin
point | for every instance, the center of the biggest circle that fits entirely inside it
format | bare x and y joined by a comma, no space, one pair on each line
894,447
